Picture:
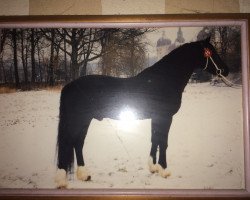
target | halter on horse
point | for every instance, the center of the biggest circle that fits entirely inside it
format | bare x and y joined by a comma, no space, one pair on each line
208,55
154,94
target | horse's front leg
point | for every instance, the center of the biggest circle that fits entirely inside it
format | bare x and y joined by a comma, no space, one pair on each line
82,172
152,158
159,139
162,162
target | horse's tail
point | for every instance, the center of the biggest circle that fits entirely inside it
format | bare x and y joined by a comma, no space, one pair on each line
65,148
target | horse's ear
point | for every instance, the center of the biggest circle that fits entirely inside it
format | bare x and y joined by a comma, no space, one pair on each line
208,39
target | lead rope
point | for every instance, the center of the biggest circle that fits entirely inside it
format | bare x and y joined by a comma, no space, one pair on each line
219,71
223,78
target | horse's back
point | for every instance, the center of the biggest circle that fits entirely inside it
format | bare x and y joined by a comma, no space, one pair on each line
104,97
94,95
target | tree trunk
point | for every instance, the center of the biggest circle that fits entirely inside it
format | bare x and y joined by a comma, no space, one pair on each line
1,54
39,65
14,40
84,69
51,65
3,36
74,53
132,57
24,60
57,63
3,69
33,63
65,59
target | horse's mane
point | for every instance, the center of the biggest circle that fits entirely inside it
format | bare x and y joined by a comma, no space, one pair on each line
169,57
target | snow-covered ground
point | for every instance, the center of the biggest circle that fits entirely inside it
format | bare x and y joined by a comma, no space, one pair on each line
205,144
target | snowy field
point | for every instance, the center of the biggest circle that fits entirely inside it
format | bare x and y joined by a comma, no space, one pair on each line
205,144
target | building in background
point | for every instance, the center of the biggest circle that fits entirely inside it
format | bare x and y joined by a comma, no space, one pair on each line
164,45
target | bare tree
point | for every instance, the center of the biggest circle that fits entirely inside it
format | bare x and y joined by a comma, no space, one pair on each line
125,53
81,45
24,54
14,42
51,55
3,36
52,58
66,76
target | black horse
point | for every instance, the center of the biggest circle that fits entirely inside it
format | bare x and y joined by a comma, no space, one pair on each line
154,94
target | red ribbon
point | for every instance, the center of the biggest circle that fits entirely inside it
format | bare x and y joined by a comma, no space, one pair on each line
207,53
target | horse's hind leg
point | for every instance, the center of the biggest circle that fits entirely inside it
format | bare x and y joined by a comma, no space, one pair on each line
65,154
159,139
82,172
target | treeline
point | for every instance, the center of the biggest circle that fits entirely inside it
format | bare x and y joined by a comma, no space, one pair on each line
51,56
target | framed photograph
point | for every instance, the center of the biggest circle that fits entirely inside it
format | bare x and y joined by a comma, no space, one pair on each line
149,106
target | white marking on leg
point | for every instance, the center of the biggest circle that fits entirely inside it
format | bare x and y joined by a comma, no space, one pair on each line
61,178
82,173
152,166
163,172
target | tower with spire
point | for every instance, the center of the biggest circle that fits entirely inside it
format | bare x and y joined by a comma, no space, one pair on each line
164,45
180,39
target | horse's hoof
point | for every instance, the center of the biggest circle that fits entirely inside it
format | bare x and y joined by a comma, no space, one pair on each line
152,166
88,178
62,187
163,172
153,169
83,174
61,179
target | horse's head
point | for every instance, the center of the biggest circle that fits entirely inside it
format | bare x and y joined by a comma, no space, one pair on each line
213,62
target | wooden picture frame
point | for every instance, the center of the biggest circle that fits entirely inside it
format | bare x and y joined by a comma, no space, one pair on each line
142,21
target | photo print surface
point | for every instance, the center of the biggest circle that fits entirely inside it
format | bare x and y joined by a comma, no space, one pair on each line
117,68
